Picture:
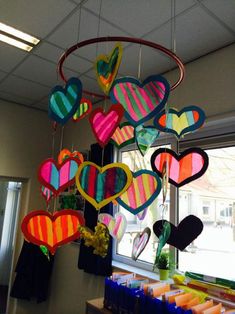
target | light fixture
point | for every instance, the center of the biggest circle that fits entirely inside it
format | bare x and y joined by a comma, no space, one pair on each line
17,38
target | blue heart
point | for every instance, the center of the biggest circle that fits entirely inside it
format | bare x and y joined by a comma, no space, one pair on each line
63,102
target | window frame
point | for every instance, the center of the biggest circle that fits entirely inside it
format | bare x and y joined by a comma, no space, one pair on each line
218,133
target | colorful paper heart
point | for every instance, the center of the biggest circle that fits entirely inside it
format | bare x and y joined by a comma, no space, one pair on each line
145,136
42,228
46,193
63,102
142,192
123,135
182,235
139,243
117,226
58,177
66,153
180,122
140,101
107,66
184,168
99,186
83,109
104,124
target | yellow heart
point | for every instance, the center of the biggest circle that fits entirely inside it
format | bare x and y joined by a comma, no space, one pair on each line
106,68
101,185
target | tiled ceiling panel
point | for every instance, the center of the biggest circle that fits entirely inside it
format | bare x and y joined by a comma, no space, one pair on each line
23,88
37,18
224,10
10,57
15,98
137,17
191,38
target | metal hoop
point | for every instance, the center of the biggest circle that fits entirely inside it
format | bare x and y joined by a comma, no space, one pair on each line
120,39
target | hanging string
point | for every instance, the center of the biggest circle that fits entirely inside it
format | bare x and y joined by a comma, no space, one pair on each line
173,28
139,62
98,28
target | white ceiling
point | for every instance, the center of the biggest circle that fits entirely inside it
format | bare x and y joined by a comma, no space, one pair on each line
27,78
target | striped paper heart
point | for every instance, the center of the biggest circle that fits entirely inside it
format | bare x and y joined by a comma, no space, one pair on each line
116,226
99,186
139,243
140,101
58,177
182,169
107,66
142,192
42,228
123,135
66,153
104,124
145,136
180,122
141,215
46,193
83,109
63,102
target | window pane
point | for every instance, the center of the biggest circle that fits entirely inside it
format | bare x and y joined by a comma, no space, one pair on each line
212,199
135,161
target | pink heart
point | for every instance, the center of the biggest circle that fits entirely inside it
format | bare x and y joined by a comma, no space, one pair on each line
139,243
104,124
116,226
58,177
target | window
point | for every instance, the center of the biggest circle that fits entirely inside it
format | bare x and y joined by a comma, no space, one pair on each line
211,198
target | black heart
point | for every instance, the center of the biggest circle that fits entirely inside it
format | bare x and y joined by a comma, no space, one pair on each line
182,235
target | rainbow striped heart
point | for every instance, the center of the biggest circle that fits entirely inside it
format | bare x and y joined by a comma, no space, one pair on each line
145,136
142,192
107,66
63,102
83,110
116,226
123,135
182,169
42,228
140,101
104,124
100,185
58,177
180,122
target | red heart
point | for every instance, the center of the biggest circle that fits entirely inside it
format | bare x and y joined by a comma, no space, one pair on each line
104,124
42,228
83,110
58,177
184,168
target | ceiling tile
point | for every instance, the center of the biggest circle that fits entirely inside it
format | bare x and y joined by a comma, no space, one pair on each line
41,71
10,56
197,34
90,83
225,10
138,17
23,88
2,75
67,34
37,18
15,98
43,106
53,53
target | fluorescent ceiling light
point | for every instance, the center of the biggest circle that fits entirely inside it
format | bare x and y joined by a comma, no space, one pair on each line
15,42
16,33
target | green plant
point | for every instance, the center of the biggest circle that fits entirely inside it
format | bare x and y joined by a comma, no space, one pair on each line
163,261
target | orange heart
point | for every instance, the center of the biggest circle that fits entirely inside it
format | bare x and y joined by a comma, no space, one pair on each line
42,228
66,153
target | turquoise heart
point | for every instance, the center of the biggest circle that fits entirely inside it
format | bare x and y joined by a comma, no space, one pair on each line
63,102
145,137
